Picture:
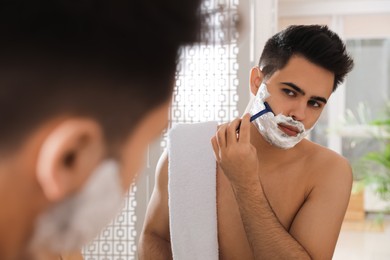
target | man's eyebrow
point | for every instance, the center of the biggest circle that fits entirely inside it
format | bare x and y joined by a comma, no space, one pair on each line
295,87
321,99
299,90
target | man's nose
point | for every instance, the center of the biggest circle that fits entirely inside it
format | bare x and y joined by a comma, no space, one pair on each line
298,112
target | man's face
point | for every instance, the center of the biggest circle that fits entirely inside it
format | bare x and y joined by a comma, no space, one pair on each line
300,90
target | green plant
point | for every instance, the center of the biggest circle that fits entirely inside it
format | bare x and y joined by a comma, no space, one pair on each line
377,164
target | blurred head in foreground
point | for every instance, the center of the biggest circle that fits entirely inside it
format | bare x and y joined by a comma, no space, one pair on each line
85,86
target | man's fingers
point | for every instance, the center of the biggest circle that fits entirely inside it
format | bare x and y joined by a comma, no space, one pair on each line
221,136
215,148
245,133
231,131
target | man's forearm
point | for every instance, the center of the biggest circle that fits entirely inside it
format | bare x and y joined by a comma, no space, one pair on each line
154,247
267,236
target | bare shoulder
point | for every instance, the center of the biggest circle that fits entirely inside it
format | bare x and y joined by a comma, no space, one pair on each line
157,213
327,165
162,171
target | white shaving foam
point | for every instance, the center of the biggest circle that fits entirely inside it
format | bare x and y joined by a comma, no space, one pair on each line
267,124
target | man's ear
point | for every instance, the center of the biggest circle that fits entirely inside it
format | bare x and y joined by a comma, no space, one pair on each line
255,79
68,155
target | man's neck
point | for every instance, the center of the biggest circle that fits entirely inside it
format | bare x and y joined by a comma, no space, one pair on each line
17,215
11,222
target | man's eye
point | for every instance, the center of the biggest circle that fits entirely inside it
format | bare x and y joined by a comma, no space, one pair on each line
314,103
289,92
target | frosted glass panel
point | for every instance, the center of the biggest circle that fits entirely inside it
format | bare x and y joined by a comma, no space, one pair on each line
367,90
369,81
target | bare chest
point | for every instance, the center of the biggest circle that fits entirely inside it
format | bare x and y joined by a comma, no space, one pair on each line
285,192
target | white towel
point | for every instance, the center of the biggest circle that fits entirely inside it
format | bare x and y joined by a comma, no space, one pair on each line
192,192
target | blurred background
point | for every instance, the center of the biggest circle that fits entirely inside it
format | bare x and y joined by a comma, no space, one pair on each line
212,84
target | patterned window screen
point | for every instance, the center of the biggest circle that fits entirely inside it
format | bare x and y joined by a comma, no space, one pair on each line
206,85
205,90
118,239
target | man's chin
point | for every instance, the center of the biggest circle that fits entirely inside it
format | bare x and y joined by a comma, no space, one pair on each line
284,142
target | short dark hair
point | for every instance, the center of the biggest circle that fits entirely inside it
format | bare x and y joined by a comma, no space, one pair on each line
316,43
97,58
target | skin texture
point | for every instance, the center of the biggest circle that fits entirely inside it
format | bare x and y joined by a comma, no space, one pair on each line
271,203
72,256
40,173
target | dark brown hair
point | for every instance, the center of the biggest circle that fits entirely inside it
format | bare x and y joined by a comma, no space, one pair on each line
316,43
112,60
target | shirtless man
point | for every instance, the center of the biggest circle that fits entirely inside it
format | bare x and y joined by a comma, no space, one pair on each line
83,91
273,201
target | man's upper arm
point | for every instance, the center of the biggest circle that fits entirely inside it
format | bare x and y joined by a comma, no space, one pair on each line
317,224
157,214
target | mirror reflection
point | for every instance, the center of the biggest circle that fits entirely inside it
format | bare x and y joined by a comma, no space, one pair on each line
213,83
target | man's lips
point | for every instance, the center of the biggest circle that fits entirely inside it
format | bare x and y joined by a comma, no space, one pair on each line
289,130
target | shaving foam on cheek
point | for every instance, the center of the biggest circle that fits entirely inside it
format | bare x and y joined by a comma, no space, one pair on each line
268,123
